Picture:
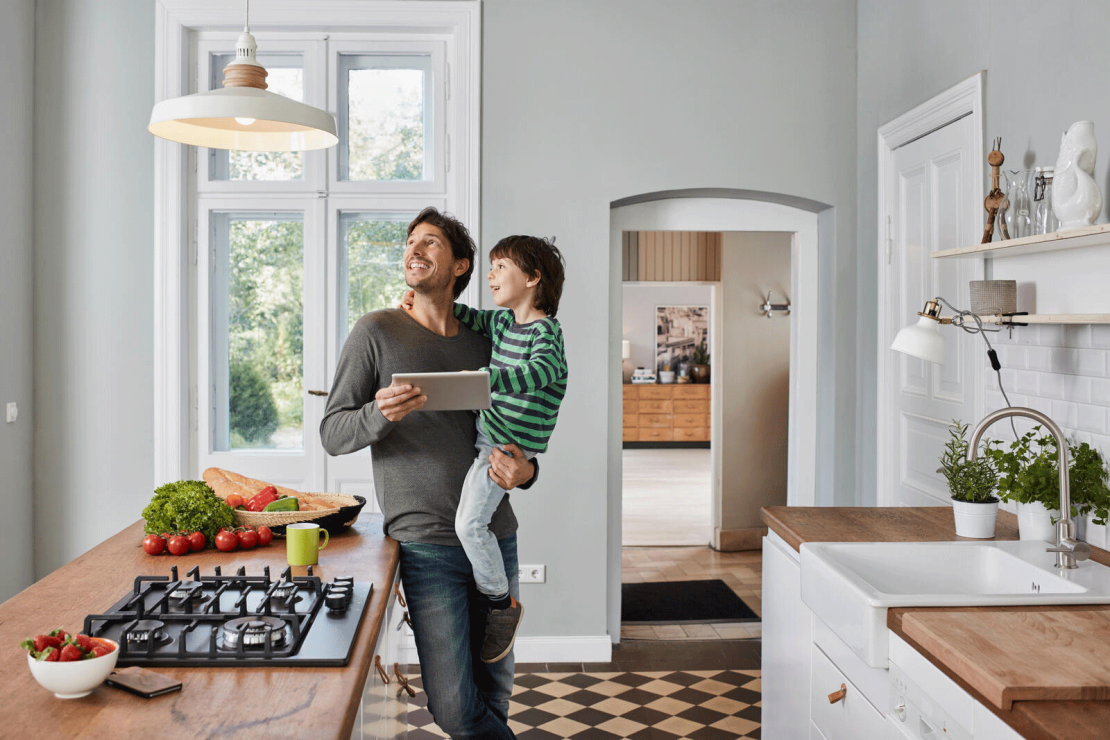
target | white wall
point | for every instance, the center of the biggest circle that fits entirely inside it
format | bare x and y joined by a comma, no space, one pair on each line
587,102
93,272
755,359
909,52
16,120
640,300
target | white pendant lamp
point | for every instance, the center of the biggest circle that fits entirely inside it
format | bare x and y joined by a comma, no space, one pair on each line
243,115
923,340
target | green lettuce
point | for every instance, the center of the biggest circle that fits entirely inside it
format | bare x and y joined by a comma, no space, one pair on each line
187,506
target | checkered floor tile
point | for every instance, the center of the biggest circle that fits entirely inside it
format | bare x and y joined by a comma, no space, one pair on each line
639,705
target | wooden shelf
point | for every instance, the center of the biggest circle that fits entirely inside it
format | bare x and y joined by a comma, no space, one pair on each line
1087,236
1049,318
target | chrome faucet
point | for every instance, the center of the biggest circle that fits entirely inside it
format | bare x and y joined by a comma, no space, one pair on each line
1068,550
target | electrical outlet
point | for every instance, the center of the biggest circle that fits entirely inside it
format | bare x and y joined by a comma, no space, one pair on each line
533,574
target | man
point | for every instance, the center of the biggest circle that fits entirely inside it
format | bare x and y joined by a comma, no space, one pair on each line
420,460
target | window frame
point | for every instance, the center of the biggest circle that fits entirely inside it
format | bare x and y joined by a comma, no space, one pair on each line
180,191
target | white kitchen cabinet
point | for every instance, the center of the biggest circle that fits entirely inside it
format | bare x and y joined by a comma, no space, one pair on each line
787,640
804,661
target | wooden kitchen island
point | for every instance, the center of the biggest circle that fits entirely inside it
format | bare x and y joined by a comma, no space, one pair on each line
1035,720
214,702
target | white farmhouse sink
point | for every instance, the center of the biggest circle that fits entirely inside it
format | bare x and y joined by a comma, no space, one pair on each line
850,585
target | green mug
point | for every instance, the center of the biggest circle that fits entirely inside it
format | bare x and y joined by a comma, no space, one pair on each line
302,543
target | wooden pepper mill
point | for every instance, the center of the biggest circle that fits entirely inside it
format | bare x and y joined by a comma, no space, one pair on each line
995,197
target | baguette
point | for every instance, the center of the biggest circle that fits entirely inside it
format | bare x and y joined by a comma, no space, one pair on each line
226,482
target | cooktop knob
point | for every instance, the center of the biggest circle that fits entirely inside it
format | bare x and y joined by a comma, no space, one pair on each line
336,601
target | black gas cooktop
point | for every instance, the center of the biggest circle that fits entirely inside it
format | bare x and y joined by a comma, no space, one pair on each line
234,620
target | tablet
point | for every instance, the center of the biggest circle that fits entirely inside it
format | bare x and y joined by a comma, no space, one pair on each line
462,391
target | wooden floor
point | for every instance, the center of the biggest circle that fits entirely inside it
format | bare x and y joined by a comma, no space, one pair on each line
666,530
666,499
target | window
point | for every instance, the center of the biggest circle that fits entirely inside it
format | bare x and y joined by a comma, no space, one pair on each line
288,250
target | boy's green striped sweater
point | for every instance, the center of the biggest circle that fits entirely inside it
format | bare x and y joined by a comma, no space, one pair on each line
527,373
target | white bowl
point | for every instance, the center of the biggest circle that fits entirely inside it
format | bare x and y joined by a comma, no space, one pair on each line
74,678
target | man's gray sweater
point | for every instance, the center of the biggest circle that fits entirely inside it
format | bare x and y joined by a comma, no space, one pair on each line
420,461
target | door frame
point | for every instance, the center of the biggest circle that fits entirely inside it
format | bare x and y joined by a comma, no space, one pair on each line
811,421
960,101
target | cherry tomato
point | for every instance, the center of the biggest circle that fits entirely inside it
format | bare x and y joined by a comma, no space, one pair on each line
226,541
178,545
265,535
197,541
153,544
234,500
248,538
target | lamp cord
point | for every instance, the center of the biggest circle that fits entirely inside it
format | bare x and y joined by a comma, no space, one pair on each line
247,22
959,318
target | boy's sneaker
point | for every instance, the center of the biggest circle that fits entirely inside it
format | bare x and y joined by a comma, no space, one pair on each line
501,627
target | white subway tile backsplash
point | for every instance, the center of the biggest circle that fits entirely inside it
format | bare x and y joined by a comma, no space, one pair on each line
1100,336
1062,360
1053,385
1064,413
1026,382
1091,418
1100,391
1078,388
1037,358
1077,335
1051,336
1091,362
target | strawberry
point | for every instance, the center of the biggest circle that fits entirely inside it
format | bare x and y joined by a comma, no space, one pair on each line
60,633
44,641
49,655
70,652
84,641
100,650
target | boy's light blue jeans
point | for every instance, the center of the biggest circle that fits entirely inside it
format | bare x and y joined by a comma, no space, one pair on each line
480,498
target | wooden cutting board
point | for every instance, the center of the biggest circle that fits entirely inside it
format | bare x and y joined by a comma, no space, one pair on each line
1010,656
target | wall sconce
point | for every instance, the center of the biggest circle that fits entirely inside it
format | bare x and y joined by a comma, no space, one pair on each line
923,340
626,353
626,349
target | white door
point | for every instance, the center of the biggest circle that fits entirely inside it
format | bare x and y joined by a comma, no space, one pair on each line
932,206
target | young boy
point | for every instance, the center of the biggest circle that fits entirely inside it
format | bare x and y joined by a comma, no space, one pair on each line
528,378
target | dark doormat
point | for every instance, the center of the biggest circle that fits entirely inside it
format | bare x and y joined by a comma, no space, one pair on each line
683,602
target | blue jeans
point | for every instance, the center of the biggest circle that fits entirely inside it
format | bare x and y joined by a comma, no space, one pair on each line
467,698
480,498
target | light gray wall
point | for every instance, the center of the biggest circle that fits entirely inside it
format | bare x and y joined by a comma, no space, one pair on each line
755,357
17,56
584,103
640,300
1045,69
93,269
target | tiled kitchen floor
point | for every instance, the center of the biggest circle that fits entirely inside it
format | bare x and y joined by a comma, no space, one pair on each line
649,691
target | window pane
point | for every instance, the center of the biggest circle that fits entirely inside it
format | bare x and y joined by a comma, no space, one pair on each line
372,262
285,76
387,118
259,323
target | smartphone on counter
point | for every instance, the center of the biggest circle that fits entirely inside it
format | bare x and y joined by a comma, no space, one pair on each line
143,682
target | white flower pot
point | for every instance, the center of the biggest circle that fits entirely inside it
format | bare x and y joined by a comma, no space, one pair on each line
1035,522
975,520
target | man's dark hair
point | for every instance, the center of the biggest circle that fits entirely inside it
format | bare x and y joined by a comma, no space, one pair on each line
462,245
535,256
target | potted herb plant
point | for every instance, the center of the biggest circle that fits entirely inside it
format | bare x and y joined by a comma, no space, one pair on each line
972,484
1029,476
699,368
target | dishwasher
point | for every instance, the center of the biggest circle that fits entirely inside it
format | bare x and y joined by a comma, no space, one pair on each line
925,704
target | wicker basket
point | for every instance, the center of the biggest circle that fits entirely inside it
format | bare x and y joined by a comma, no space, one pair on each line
344,513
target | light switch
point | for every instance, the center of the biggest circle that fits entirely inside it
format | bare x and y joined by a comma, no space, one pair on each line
13,412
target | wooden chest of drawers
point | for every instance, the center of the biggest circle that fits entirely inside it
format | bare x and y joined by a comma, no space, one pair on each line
666,413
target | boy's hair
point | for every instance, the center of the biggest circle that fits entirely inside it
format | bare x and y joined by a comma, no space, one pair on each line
535,255
462,245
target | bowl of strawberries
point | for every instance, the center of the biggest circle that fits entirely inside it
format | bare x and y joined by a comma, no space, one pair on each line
70,665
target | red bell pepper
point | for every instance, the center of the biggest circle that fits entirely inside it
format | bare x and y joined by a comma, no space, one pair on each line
262,499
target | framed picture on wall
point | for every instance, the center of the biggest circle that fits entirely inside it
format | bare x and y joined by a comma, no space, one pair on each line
678,330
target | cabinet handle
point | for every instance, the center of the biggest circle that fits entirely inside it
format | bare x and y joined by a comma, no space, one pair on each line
402,682
400,596
405,620
381,671
836,696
